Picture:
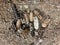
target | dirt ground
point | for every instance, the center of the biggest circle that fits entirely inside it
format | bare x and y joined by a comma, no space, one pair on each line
52,32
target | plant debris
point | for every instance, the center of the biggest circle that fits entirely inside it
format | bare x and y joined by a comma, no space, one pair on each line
29,21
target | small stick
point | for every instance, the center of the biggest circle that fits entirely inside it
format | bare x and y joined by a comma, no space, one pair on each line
26,18
31,16
18,24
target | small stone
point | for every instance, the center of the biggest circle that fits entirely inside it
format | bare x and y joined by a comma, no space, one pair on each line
45,23
36,23
25,6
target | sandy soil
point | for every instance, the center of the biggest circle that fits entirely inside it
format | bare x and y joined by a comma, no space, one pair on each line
52,32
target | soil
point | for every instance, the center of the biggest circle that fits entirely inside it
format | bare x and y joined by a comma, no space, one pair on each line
51,33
